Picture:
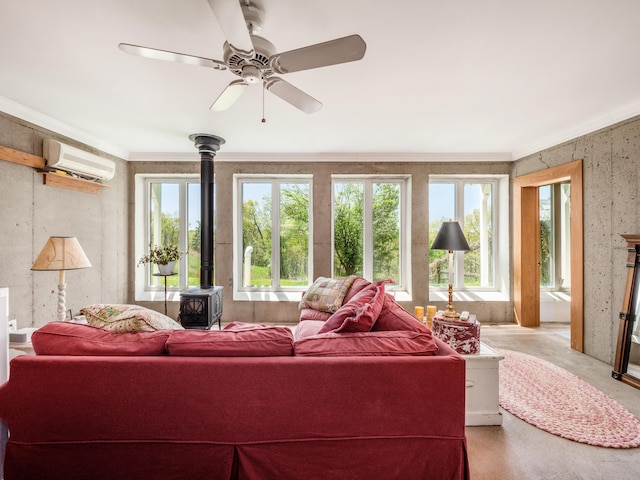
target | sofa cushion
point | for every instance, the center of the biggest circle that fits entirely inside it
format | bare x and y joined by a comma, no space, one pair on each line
242,326
394,317
358,284
68,338
236,340
311,314
360,313
326,294
122,318
390,343
306,329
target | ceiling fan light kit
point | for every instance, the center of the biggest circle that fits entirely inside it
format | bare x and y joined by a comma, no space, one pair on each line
254,59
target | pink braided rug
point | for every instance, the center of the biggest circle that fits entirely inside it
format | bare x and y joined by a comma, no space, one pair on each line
559,402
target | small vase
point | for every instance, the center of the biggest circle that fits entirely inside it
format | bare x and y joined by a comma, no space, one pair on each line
166,269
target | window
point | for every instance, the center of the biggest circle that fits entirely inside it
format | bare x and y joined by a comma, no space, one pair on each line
473,202
370,228
167,213
555,271
273,231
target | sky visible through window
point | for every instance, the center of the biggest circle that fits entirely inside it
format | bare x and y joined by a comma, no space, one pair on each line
193,204
170,199
442,201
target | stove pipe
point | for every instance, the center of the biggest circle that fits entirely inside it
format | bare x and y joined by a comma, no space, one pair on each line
207,146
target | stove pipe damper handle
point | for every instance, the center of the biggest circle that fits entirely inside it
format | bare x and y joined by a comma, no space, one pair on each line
207,146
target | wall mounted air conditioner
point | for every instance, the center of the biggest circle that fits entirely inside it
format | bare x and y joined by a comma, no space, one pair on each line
72,159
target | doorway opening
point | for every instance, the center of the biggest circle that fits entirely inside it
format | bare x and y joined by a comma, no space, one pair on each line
527,246
555,252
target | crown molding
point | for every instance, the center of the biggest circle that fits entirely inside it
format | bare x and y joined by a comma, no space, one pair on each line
325,157
593,125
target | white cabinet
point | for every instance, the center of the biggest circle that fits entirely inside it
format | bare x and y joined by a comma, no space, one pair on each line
4,362
482,392
4,334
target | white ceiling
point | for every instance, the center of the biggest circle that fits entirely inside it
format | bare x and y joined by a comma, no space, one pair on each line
439,76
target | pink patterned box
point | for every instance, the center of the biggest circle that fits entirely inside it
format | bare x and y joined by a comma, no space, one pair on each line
462,336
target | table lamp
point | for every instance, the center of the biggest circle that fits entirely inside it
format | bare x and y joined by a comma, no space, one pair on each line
451,238
61,253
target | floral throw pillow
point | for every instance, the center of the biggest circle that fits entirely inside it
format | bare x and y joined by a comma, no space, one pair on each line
121,318
326,294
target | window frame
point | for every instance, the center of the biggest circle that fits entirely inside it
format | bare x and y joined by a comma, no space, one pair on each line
142,181
499,291
402,288
275,291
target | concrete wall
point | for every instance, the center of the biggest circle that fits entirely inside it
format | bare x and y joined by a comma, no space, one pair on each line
611,175
287,312
31,212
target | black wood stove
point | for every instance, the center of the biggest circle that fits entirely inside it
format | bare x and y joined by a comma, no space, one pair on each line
201,307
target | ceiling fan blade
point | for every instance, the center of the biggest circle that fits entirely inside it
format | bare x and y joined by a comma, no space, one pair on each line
229,95
292,95
171,56
233,25
333,52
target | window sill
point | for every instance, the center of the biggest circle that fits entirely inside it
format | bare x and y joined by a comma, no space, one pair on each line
555,296
266,296
443,296
157,296
400,295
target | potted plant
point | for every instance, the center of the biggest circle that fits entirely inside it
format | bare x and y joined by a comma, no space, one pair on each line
165,257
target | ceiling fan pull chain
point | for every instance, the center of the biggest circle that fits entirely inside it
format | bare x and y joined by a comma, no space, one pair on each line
264,120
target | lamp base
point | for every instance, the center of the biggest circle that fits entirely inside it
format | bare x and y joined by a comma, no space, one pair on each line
450,311
61,312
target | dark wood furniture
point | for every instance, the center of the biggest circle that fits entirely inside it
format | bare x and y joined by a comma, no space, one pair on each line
626,367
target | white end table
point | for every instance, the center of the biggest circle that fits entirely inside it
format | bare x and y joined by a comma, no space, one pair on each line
482,392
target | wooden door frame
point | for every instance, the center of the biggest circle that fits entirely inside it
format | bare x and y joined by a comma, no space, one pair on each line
526,247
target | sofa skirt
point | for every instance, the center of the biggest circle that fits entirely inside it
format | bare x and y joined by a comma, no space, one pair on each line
354,459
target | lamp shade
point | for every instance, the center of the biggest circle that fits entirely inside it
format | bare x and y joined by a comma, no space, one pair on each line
450,237
61,253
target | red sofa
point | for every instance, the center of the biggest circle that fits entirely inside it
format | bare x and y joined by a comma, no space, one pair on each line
80,417
244,403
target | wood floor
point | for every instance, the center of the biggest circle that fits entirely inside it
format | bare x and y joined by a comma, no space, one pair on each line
518,451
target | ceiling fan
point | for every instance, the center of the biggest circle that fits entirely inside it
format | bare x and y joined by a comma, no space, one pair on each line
254,59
